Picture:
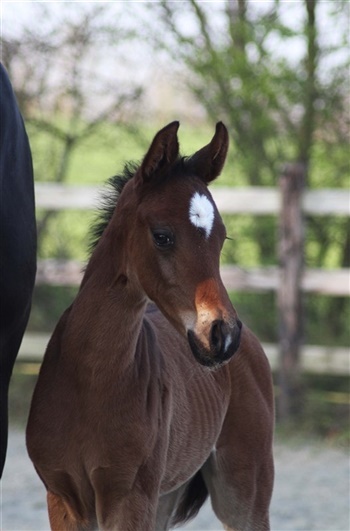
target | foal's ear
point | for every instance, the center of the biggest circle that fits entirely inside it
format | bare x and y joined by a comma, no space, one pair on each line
208,162
162,153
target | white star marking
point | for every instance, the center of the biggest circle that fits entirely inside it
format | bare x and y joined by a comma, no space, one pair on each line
202,213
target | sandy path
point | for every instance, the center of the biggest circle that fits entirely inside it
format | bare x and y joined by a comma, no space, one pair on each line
311,491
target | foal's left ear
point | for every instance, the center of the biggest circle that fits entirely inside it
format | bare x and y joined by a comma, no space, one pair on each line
208,162
162,153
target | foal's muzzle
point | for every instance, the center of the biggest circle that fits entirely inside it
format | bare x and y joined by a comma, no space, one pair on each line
223,343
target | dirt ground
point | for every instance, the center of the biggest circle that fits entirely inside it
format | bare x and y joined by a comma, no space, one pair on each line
311,491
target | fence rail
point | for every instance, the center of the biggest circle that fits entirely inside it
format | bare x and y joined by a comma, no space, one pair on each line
256,201
335,282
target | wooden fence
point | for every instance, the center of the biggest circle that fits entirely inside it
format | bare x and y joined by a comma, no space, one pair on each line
291,203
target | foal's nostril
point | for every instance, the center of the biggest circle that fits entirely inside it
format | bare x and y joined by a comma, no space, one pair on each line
217,336
224,341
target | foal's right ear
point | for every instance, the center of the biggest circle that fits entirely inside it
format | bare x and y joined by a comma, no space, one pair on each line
208,162
162,153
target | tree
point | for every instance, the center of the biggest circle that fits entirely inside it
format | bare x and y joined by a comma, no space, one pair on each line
274,105
66,88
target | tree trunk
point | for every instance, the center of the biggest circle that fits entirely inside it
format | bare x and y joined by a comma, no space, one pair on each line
311,63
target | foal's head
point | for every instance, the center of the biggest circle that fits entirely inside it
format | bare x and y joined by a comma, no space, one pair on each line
172,236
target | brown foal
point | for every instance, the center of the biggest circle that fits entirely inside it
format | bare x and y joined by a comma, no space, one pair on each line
152,394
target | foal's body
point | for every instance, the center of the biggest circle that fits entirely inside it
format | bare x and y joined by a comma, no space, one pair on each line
127,429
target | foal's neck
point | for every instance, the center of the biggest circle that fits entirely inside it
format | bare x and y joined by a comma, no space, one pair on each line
113,305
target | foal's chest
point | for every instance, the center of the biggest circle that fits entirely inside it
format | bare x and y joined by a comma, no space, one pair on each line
198,412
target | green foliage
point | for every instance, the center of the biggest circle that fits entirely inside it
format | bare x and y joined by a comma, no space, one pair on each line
258,312
66,235
324,414
327,320
91,161
245,243
49,303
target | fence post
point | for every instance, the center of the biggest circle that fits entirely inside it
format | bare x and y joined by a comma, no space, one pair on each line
289,297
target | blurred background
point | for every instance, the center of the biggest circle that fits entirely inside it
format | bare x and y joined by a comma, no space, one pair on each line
95,81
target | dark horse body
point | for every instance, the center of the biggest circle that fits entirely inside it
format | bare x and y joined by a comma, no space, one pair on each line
129,427
17,241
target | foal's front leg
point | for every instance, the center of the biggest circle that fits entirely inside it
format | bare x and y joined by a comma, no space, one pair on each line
135,512
240,492
63,517
118,510
240,473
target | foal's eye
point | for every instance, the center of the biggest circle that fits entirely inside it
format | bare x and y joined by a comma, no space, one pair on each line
163,238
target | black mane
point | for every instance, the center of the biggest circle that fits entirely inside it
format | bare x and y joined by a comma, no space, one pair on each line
108,201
